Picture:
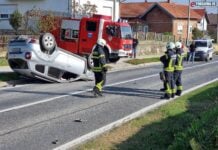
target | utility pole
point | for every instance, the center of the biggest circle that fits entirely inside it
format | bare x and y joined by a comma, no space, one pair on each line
114,12
74,8
217,23
188,23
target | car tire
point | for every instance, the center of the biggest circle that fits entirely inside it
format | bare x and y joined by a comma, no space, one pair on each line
207,59
90,61
113,60
47,43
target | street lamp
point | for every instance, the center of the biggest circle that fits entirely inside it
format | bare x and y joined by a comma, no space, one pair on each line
217,24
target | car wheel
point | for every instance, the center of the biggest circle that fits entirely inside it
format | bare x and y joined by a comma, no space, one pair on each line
90,61
207,59
47,43
113,60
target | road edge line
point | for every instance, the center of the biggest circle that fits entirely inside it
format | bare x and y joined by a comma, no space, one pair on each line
121,121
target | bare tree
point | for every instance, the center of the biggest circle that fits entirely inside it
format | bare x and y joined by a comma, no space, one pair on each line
86,9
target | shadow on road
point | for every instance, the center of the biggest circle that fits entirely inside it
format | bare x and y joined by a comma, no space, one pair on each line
124,91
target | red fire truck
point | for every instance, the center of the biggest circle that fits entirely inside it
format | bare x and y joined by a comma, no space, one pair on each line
79,36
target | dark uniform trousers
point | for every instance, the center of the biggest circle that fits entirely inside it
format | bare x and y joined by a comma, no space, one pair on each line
178,80
169,85
178,74
100,79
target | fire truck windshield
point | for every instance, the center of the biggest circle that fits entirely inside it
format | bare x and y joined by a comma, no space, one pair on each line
126,32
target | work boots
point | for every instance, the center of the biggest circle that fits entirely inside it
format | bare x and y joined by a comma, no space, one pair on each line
96,92
178,92
166,96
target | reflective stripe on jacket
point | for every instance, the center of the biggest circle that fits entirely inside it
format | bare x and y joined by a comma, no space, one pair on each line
169,64
179,62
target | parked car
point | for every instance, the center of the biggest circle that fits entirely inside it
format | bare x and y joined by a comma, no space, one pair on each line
43,59
204,49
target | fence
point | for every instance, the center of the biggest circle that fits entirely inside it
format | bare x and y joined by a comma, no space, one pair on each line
152,36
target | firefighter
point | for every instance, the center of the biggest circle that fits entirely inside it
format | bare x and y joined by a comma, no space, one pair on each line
99,67
178,68
168,61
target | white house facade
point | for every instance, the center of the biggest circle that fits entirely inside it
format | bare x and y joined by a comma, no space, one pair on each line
7,7
202,25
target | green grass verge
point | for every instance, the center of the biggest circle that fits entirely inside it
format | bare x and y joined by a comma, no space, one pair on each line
3,61
142,61
8,76
189,122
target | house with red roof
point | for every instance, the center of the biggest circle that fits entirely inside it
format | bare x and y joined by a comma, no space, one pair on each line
161,17
213,25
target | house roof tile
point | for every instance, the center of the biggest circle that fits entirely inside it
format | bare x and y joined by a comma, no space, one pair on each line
212,18
140,9
130,10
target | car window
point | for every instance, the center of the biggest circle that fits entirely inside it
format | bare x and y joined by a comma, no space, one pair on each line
200,43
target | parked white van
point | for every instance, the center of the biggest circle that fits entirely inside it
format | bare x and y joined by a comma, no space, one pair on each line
204,49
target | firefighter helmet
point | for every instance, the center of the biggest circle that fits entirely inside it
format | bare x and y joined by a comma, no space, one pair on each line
178,45
101,42
170,45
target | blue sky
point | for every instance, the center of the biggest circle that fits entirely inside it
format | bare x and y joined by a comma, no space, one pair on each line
209,9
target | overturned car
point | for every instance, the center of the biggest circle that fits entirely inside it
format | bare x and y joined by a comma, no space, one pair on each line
43,59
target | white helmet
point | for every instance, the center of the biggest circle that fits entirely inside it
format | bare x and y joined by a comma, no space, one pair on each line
101,42
170,45
178,45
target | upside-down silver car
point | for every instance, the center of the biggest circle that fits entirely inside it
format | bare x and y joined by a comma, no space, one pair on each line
42,59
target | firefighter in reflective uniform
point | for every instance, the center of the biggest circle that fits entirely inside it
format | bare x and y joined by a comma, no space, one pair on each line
99,67
168,61
178,68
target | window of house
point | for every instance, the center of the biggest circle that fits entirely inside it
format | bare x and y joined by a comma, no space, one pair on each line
4,16
91,26
179,29
146,28
190,29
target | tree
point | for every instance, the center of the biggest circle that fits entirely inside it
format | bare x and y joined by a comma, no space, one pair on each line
36,21
47,23
86,9
196,33
16,20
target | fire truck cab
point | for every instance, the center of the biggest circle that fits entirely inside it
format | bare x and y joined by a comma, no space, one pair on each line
79,36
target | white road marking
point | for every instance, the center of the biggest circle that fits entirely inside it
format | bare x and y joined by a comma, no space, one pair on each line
119,122
86,90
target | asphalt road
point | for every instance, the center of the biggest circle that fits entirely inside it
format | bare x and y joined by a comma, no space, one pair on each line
45,116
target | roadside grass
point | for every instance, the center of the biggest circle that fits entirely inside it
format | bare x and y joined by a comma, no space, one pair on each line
8,76
3,61
142,61
189,122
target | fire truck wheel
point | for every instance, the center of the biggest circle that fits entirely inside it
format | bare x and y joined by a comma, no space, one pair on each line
47,43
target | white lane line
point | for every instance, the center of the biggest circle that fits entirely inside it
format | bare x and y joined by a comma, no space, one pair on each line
200,65
119,122
43,101
86,90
